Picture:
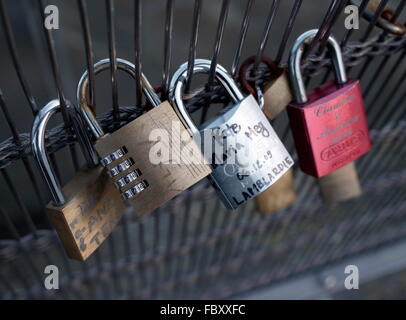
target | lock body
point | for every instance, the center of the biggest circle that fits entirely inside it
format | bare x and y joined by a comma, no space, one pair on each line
150,159
250,156
331,129
277,95
93,208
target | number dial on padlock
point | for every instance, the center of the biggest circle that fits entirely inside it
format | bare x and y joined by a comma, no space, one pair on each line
146,185
146,180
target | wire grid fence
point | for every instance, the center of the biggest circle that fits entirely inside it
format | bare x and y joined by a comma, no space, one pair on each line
192,247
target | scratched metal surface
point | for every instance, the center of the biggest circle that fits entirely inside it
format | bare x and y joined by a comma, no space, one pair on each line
193,247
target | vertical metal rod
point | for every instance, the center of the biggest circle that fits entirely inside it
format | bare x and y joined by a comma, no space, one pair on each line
243,35
30,224
11,44
84,19
382,37
266,32
349,32
57,78
137,50
375,18
113,59
193,43
288,30
334,17
167,48
387,102
18,142
322,28
217,44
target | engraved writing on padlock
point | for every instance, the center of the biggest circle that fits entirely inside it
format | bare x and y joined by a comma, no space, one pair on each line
88,208
275,99
253,155
126,152
329,124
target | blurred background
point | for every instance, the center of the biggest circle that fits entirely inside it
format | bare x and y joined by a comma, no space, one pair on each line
193,247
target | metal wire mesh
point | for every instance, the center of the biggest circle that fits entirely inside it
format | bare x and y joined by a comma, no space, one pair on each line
192,247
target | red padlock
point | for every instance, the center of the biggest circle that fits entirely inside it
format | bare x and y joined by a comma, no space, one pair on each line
329,124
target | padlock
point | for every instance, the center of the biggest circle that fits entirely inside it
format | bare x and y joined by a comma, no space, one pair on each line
147,179
275,98
88,208
276,92
247,157
329,125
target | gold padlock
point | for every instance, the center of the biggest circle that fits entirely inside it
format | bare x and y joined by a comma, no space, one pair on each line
126,153
276,91
88,208
276,96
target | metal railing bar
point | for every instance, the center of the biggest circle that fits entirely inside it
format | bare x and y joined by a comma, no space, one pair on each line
137,50
241,40
193,43
217,43
367,33
17,141
84,19
288,30
57,78
321,36
325,23
16,195
11,44
111,35
349,32
265,36
334,17
375,18
170,4
388,114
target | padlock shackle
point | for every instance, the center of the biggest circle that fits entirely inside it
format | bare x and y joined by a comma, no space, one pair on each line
201,66
39,149
295,62
82,91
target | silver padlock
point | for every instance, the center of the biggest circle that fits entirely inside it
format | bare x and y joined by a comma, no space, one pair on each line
251,157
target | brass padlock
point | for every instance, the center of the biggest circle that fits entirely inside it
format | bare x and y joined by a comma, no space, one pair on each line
276,91
88,208
143,178
274,99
